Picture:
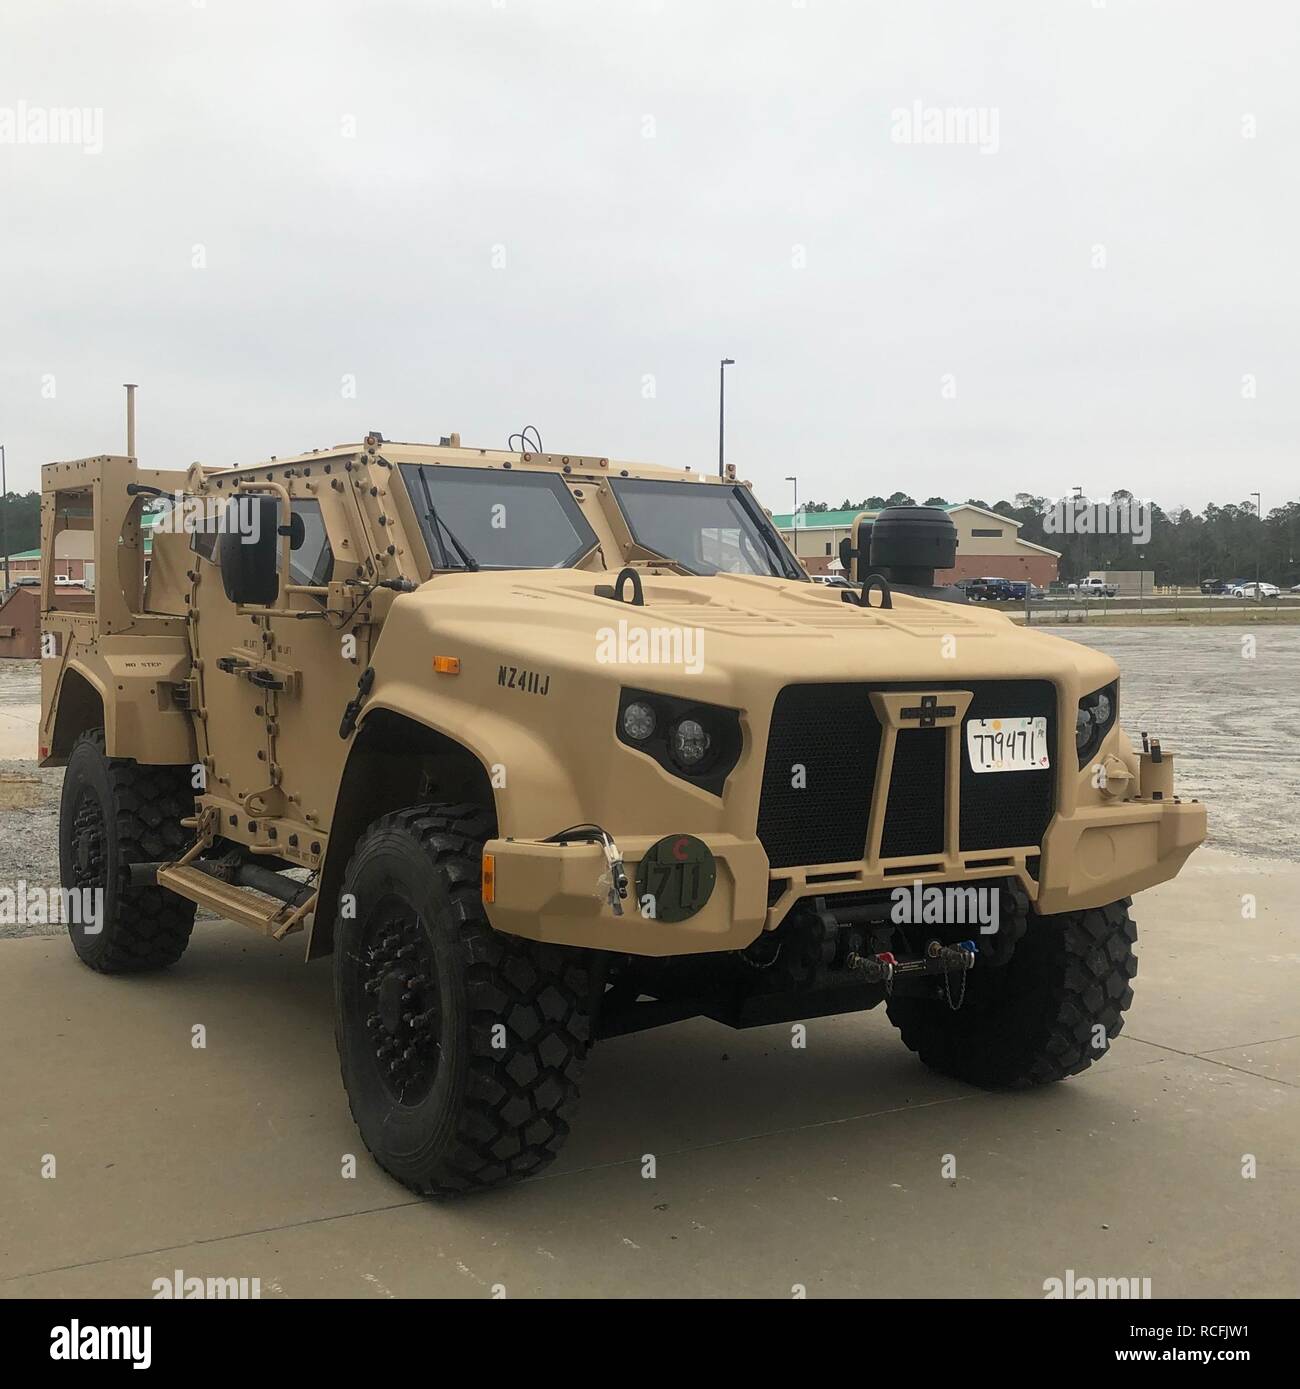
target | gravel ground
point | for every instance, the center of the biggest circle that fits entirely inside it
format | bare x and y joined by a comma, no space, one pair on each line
1232,719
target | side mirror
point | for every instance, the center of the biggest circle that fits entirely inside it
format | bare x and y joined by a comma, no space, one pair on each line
249,542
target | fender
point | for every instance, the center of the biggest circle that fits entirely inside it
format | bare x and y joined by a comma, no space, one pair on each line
533,789
134,687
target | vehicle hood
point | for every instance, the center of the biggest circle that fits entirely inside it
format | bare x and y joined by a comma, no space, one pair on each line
716,638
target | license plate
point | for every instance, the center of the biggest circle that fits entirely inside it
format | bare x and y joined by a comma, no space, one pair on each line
1007,745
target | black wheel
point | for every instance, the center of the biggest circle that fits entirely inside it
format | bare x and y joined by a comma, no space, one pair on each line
461,1048
115,812
1050,1012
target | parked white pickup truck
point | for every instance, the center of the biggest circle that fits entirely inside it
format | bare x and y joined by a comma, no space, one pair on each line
1098,588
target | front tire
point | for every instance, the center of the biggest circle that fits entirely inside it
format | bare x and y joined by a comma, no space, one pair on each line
461,1048
114,812
1050,1012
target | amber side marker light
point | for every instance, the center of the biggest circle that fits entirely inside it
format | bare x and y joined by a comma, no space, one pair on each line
446,665
489,877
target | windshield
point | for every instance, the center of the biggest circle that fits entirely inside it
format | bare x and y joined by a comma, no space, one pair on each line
488,518
703,528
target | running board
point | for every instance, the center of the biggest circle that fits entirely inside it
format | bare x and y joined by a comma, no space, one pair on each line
270,918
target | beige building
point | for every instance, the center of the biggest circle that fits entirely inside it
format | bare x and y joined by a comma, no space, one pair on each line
988,544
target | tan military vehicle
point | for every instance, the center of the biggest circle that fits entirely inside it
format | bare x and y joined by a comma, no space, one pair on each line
549,748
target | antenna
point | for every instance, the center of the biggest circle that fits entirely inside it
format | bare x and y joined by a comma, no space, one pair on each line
130,419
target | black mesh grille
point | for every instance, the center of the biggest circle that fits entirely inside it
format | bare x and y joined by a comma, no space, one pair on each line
831,732
914,811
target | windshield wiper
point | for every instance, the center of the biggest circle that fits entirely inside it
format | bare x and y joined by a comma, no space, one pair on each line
441,528
775,561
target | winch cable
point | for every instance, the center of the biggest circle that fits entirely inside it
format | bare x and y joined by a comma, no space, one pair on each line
593,834
397,585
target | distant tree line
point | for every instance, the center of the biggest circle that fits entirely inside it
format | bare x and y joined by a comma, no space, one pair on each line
22,522
1221,542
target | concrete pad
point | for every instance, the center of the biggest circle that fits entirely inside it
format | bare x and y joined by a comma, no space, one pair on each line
773,1165
1204,970
1277,1060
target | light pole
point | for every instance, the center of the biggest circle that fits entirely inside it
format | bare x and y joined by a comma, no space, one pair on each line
1083,549
4,515
1259,543
794,519
722,399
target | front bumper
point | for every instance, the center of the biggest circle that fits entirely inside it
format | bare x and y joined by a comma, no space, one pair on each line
1096,855
1103,853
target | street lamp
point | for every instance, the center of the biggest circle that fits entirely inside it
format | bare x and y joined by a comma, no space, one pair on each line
1074,517
722,397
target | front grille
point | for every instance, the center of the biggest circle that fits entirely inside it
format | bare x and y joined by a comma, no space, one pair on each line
821,769
816,793
914,811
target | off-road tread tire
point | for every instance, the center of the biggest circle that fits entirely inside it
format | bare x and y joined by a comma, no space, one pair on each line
518,1101
145,928
1032,1022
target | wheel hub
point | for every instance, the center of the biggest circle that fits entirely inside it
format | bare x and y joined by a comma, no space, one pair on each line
391,988
88,842
401,993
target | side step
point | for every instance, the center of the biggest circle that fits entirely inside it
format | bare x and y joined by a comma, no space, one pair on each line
272,918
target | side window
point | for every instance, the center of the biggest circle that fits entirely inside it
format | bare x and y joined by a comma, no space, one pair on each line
204,544
312,562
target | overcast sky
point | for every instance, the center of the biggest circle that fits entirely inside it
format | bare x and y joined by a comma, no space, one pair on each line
487,213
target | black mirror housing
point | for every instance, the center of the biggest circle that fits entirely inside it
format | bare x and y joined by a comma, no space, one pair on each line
249,542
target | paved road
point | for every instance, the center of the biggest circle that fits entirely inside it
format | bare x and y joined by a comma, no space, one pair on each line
775,1167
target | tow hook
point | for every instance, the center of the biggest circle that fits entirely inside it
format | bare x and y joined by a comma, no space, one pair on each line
885,966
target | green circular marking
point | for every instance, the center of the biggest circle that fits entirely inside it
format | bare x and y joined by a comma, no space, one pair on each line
675,878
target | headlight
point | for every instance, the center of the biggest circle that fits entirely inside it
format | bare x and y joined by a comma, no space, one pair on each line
1093,720
689,742
638,720
700,743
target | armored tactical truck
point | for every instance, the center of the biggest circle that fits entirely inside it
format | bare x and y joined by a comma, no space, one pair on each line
543,749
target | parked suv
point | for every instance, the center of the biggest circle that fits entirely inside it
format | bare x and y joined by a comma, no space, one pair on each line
541,749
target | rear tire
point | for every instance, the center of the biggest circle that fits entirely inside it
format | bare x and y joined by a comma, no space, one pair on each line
114,812
1050,1012
461,1048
